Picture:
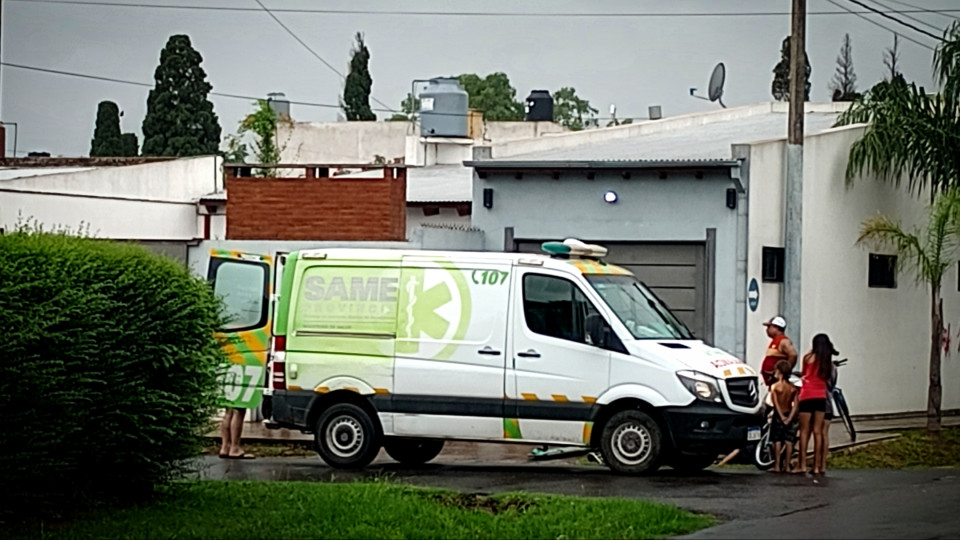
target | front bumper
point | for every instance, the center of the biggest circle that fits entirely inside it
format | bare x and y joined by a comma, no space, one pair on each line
708,428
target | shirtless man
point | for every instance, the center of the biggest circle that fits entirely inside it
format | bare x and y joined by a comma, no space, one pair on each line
780,348
783,427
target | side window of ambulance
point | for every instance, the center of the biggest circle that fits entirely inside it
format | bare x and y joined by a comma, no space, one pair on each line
242,286
556,307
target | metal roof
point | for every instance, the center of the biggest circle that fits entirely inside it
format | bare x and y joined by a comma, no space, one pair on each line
692,138
618,164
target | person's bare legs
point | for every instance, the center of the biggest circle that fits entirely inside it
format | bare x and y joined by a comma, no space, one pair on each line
819,444
728,457
225,432
826,444
236,429
777,448
787,461
804,441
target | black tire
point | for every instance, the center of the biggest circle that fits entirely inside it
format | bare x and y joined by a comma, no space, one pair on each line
687,463
763,452
632,443
346,437
845,414
413,451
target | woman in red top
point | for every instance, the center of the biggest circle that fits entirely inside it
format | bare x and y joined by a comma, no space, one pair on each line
817,370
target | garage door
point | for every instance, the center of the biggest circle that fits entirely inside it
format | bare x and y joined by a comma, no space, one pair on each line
675,273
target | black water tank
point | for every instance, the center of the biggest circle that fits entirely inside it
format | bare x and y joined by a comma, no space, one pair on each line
539,106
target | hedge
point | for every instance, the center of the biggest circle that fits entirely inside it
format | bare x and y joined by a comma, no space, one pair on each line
108,369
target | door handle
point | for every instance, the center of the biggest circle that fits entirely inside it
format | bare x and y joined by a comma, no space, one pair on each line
529,354
489,351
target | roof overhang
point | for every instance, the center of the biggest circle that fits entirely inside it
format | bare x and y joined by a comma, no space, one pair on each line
553,167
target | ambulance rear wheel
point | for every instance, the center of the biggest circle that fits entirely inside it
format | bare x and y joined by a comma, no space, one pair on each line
413,451
632,443
346,437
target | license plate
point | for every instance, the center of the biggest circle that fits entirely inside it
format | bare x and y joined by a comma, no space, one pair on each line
753,434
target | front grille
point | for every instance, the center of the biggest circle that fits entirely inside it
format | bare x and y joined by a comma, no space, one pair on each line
744,391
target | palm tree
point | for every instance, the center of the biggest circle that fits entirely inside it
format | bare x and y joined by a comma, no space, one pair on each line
910,134
915,136
927,254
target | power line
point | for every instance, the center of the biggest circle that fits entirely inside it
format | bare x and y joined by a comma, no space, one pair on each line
461,13
315,54
942,12
911,17
873,22
896,20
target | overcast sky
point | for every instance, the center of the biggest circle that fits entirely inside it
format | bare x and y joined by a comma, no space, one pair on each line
633,62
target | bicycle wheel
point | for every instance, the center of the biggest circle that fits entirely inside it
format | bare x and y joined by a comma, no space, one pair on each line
763,452
844,413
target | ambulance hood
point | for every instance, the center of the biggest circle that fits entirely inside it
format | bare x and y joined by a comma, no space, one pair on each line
692,355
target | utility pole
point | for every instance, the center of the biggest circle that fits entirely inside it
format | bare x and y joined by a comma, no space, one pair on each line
793,203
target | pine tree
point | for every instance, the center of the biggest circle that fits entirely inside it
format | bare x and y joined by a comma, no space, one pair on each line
129,145
180,120
106,134
844,83
781,74
356,89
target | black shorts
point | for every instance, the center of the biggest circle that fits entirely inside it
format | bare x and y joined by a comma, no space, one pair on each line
780,432
813,405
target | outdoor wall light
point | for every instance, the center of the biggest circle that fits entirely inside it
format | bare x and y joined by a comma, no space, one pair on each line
488,198
610,197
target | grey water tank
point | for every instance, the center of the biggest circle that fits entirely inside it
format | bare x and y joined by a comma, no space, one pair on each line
279,103
539,106
443,109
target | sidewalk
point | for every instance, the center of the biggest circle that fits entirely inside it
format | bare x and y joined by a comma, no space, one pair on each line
867,431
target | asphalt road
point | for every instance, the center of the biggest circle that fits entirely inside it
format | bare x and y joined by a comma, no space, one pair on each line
751,504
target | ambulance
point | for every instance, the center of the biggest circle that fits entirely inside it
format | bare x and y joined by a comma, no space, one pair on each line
404,350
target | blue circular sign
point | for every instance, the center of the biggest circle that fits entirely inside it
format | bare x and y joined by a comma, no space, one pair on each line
753,294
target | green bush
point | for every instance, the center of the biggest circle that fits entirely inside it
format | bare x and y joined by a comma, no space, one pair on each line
108,369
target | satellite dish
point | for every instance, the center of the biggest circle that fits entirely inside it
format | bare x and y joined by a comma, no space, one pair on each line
715,88
715,91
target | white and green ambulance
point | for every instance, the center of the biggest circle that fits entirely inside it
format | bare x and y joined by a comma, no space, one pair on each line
407,349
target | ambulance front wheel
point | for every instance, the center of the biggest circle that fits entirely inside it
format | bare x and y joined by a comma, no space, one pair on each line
346,437
413,451
632,443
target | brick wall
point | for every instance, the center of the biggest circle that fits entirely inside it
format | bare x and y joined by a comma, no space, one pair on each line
317,208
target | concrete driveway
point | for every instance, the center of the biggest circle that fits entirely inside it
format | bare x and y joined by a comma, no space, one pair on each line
751,504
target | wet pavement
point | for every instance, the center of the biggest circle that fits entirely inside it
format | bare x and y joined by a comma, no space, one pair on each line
751,504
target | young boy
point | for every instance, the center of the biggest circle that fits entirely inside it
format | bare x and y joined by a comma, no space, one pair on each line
783,429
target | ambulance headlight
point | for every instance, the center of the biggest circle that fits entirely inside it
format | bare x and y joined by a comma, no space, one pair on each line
701,385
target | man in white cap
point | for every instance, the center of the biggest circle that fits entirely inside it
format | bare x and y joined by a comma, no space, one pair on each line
780,348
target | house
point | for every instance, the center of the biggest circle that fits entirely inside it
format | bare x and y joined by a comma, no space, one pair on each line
694,205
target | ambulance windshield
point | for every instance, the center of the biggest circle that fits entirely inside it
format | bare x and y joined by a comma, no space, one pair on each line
638,308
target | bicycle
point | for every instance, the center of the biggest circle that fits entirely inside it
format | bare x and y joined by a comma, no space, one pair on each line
763,452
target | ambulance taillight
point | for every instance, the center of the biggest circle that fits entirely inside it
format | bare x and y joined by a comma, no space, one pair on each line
278,363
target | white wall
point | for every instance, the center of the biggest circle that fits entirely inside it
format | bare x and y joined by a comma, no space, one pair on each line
884,332
509,131
102,217
151,201
342,142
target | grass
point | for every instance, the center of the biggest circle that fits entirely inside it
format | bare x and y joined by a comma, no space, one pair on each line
913,449
210,510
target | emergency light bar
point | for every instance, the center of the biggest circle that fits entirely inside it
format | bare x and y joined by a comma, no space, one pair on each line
572,247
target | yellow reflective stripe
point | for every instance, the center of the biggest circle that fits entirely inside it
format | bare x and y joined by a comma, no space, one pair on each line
588,399
560,397
727,372
587,432
380,391
322,389
530,397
